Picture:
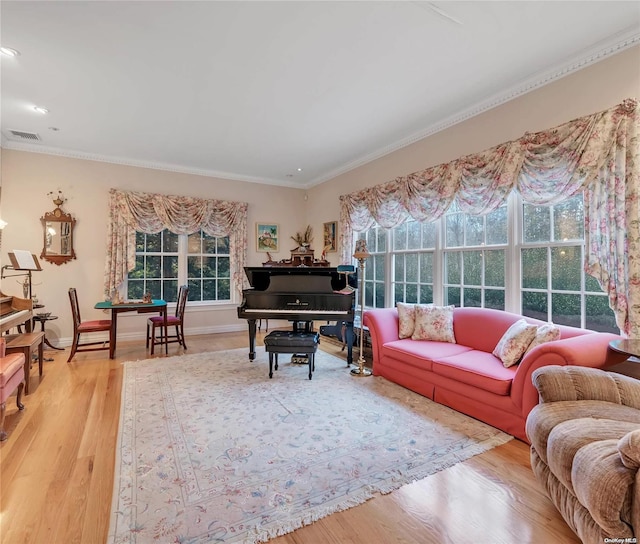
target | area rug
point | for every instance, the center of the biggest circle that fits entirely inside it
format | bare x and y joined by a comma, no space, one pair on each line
212,450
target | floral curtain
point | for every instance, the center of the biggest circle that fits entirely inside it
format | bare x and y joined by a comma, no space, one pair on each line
598,154
151,213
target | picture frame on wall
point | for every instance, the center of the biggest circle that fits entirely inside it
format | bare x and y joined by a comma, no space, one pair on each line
330,232
267,237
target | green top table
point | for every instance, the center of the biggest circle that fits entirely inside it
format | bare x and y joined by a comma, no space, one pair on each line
155,306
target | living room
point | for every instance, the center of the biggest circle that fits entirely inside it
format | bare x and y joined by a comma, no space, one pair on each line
29,176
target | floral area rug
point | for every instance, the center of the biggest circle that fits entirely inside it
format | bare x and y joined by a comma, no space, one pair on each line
212,450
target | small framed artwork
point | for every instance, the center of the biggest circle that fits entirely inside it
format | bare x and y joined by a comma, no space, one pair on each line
267,237
330,236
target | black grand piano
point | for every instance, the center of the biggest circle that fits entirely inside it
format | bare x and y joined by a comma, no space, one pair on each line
300,295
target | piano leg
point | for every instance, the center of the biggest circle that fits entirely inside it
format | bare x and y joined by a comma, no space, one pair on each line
349,340
252,338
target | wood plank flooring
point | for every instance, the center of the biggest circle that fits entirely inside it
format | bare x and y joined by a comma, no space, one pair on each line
56,472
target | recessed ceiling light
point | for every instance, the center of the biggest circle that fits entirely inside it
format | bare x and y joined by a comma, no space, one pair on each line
54,129
40,109
8,52
299,169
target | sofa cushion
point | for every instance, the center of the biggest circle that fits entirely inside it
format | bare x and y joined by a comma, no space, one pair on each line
544,417
545,333
434,323
406,319
477,368
514,342
420,354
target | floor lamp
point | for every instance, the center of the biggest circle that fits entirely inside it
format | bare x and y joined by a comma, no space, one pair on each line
361,255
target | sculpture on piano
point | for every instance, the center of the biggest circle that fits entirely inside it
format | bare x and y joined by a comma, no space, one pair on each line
299,295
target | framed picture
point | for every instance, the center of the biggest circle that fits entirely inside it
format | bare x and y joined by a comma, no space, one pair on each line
330,236
267,237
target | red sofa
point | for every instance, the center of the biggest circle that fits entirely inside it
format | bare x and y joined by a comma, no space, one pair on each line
466,376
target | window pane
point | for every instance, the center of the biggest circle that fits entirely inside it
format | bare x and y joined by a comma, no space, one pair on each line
411,293
400,237
591,284
565,309
426,294
170,240
568,220
535,305
398,266
209,243
472,265
452,264
224,266
426,267
599,317
154,242
534,268
138,271
494,298
452,296
152,269
378,261
398,293
155,288
135,289
223,245
170,267
429,235
209,267
536,223
195,290
454,230
379,295
194,243
194,267
209,289
494,268
413,234
412,267
170,290
496,226
474,230
472,297
224,289
566,268
381,240
140,240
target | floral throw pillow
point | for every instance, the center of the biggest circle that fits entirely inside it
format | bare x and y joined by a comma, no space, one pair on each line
434,323
407,319
545,333
515,342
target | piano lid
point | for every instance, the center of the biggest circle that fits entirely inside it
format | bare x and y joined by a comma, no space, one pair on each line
298,279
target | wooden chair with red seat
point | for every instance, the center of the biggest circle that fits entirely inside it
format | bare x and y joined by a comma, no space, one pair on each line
84,327
11,377
176,321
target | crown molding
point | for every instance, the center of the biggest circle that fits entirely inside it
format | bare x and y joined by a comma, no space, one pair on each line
587,57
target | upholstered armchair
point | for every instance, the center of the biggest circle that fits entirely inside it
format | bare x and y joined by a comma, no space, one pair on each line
11,378
585,449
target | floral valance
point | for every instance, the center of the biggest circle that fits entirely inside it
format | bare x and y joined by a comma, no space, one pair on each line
598,154
151,213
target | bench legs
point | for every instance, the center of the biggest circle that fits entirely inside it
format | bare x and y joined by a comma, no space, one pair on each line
274,355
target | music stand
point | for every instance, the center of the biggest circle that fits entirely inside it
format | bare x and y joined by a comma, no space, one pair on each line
22,260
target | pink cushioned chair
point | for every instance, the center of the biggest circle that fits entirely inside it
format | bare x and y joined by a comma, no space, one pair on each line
83,327
176,321
11,377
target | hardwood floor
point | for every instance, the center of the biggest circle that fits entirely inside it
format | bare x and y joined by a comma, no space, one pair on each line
56,472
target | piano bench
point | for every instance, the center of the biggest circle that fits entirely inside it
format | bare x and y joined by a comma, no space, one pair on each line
291,342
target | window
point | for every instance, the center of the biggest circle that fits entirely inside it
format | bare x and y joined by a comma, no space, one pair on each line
166,260
474,258
520,258
554,286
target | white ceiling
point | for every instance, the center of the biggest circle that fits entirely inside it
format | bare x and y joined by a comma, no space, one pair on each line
255,90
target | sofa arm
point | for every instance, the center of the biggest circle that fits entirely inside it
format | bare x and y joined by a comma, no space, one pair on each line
3,347
629,449
559,383
383,326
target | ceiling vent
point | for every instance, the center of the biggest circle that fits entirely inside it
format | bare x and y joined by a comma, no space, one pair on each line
22,136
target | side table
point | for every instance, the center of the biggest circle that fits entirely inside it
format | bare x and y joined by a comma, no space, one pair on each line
627,347
43,318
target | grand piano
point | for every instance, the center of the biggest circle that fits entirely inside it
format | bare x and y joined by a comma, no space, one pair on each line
300,295
15,311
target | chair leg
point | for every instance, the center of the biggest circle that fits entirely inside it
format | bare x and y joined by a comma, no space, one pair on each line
3,409
184,344
74,346
147,335
19,396
153,337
